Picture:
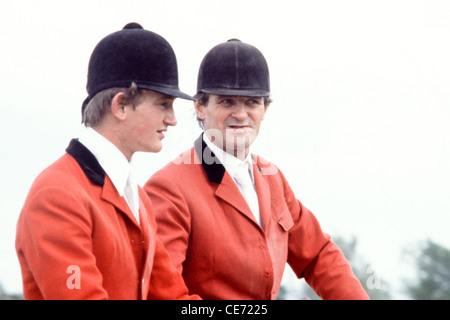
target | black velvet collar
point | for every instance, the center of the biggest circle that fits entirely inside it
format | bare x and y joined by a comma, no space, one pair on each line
213,167
87,162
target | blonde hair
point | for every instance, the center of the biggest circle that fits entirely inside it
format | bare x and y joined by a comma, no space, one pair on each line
100,104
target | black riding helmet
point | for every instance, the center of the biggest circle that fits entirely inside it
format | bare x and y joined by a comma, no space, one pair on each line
234,68
133,55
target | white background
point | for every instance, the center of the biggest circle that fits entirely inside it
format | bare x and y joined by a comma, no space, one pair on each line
359,124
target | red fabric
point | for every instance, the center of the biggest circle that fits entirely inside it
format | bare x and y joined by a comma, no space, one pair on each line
69,221
222,252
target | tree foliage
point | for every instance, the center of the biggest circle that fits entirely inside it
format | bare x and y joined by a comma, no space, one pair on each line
433,272
372,282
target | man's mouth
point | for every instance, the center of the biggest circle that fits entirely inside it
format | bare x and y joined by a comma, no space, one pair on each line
238,130
235,127
162,132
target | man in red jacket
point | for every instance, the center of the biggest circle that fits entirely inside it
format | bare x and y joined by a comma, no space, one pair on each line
228,218
87,231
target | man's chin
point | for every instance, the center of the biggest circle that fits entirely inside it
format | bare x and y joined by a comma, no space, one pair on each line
154,148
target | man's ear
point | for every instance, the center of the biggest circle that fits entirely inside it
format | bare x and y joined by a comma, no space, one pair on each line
200,110
118,108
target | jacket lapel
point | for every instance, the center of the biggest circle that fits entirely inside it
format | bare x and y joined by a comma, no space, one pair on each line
264,197
111,195
226,187
149,248
97,176
229,192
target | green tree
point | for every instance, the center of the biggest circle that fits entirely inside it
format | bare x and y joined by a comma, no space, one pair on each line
375,286
433,272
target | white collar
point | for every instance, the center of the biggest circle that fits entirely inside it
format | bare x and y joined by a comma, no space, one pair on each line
229,161
111,159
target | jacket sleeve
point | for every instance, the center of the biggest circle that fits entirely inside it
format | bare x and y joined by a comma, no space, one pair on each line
54,242
166,283
172,217
312,255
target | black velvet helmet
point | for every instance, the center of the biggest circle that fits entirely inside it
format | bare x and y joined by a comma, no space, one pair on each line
133,55
234,68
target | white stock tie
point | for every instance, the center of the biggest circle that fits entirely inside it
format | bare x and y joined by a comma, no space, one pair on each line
245,185
132,196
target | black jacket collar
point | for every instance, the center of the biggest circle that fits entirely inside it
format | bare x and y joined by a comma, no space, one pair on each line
87,162
91,167
213,167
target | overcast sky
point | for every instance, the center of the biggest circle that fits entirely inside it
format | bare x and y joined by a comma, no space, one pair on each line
359,124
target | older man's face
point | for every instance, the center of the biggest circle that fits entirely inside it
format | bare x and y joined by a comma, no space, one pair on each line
232,122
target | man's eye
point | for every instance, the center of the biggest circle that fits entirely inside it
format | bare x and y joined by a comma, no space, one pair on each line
252,102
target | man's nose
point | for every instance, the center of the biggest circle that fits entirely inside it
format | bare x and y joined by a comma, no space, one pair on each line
240,112
170,118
